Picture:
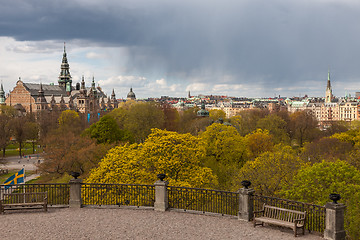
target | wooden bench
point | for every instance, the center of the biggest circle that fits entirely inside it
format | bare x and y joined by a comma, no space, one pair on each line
281,217
29,200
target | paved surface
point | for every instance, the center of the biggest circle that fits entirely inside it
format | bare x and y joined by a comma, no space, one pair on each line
15,162
88,223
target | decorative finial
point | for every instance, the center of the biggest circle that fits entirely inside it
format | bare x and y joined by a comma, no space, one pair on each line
64,47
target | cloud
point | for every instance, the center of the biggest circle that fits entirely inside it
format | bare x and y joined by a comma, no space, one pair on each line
234,47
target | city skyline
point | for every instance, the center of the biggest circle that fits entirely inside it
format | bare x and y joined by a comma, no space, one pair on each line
233,48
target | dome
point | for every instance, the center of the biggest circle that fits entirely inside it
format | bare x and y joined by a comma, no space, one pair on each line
203,112
131,95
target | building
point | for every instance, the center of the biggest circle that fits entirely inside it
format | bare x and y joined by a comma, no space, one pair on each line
330,109
131,95
2,95
34,97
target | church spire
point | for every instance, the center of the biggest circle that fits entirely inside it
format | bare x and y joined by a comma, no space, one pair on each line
65,77
2,94
328,92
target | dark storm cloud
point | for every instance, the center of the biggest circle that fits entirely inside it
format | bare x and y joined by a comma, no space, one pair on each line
273,43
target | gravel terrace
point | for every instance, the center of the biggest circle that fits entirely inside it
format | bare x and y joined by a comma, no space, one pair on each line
92,223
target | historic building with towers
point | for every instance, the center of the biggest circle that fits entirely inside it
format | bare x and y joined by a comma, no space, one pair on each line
35,97
330,109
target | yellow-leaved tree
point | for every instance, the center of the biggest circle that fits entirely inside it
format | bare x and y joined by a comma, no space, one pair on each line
177,155
270,171
225,152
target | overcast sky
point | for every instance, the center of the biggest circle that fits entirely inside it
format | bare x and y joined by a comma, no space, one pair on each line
253,48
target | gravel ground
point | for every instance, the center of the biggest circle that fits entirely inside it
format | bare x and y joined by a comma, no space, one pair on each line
90,223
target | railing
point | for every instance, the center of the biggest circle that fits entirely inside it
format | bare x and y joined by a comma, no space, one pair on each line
315,214
57,193
204,200
118,194
197,199
29,197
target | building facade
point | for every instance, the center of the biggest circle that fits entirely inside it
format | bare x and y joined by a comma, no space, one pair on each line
33,97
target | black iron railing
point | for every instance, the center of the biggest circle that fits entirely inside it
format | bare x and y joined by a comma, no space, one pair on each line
315,214
57,193
204,200
118,194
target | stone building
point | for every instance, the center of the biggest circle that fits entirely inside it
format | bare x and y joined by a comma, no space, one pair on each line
131,95
2,95
34,97
330,109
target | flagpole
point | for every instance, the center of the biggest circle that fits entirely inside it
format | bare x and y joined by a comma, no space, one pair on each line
24,185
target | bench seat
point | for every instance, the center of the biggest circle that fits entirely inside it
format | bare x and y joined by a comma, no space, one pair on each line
278,222
18,201
281,217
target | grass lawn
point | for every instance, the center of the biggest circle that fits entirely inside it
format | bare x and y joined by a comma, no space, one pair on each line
13,149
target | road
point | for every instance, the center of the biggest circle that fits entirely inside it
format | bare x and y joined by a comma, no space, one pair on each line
29,163
15,162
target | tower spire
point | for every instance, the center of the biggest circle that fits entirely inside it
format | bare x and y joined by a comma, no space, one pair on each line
328,92
65,77
2,94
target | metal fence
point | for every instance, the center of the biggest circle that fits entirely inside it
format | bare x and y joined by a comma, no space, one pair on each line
204,200
58,193
118,194
315,214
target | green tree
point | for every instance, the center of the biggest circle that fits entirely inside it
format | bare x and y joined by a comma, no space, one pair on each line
313,184
177,155
120,115
270,171
276,126
69,121
351,136
106,130
225,152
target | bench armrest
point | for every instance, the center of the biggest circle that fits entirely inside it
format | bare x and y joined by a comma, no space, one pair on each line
257,212
299,220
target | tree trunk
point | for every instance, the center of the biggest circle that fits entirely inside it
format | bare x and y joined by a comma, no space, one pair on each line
20,149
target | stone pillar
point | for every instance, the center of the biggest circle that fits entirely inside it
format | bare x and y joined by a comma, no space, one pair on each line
246,205
334,223
161,196
75,193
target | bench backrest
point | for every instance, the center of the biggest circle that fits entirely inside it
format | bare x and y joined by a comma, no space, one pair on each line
283,214
28,197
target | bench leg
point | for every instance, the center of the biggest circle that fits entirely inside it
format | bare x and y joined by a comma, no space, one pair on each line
255,224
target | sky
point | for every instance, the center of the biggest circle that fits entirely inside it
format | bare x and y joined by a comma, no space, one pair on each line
241,48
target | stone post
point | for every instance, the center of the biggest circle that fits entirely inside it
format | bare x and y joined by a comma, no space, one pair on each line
75,193
246,205
334,223
161,196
